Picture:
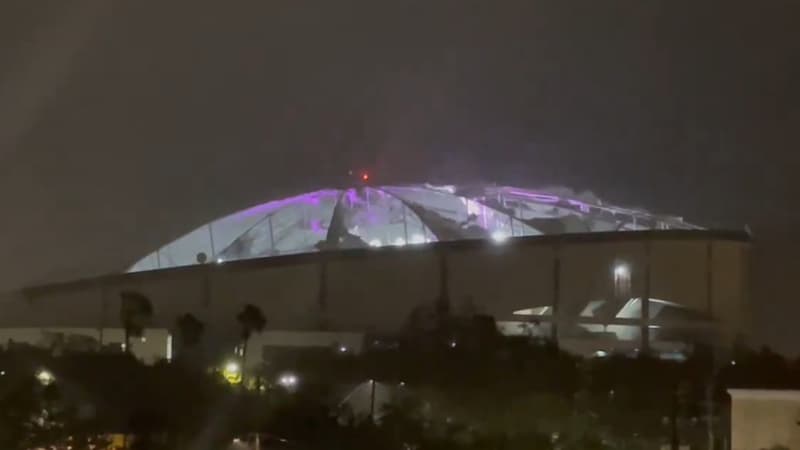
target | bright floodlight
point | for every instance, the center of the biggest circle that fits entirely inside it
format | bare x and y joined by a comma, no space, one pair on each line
499,236
45,377
621,271
288,380
232,372
232,367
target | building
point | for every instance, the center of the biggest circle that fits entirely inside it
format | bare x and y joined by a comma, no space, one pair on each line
764,419
596,278
153,345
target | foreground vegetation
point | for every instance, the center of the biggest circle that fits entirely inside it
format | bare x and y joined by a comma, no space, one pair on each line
455,385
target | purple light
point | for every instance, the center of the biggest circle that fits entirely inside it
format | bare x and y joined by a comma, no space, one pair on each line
352,197
545,198
316,226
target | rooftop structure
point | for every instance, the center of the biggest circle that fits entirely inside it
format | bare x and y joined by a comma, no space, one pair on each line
379,216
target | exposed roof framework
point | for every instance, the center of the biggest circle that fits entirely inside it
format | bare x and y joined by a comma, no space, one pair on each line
399,215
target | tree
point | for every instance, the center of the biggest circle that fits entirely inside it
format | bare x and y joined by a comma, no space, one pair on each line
19,405
251,320
135,313
190,330
33,415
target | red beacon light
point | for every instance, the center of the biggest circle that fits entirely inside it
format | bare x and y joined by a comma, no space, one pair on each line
361,175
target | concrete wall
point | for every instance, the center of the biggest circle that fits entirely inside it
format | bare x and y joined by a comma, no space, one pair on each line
376,289
763,419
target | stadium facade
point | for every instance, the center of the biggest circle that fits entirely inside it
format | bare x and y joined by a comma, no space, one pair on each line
596,278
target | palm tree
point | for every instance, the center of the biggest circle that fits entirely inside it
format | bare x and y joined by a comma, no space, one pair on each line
190,330
135,313
251,320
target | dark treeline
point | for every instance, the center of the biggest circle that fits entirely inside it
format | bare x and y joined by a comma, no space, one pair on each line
457,385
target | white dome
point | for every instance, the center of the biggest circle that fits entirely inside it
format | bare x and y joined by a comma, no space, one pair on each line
378,216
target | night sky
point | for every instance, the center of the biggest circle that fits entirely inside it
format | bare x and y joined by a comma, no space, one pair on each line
124,124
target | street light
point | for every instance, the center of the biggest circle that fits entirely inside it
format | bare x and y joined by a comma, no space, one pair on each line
232,372
622,272
622,279
288,380
45,377
499,236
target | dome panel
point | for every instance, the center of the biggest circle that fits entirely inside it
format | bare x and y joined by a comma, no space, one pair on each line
380,219
301,227
297,226
379,216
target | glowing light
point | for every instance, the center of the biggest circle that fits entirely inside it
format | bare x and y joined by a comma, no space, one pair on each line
733,362
169,347
622,279
600,354
364,176
232,367
288,380
232,372
342,349
453,344
45,377
375,243
621,271
220,260
499,236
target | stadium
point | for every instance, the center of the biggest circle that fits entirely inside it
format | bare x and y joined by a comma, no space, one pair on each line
334,266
